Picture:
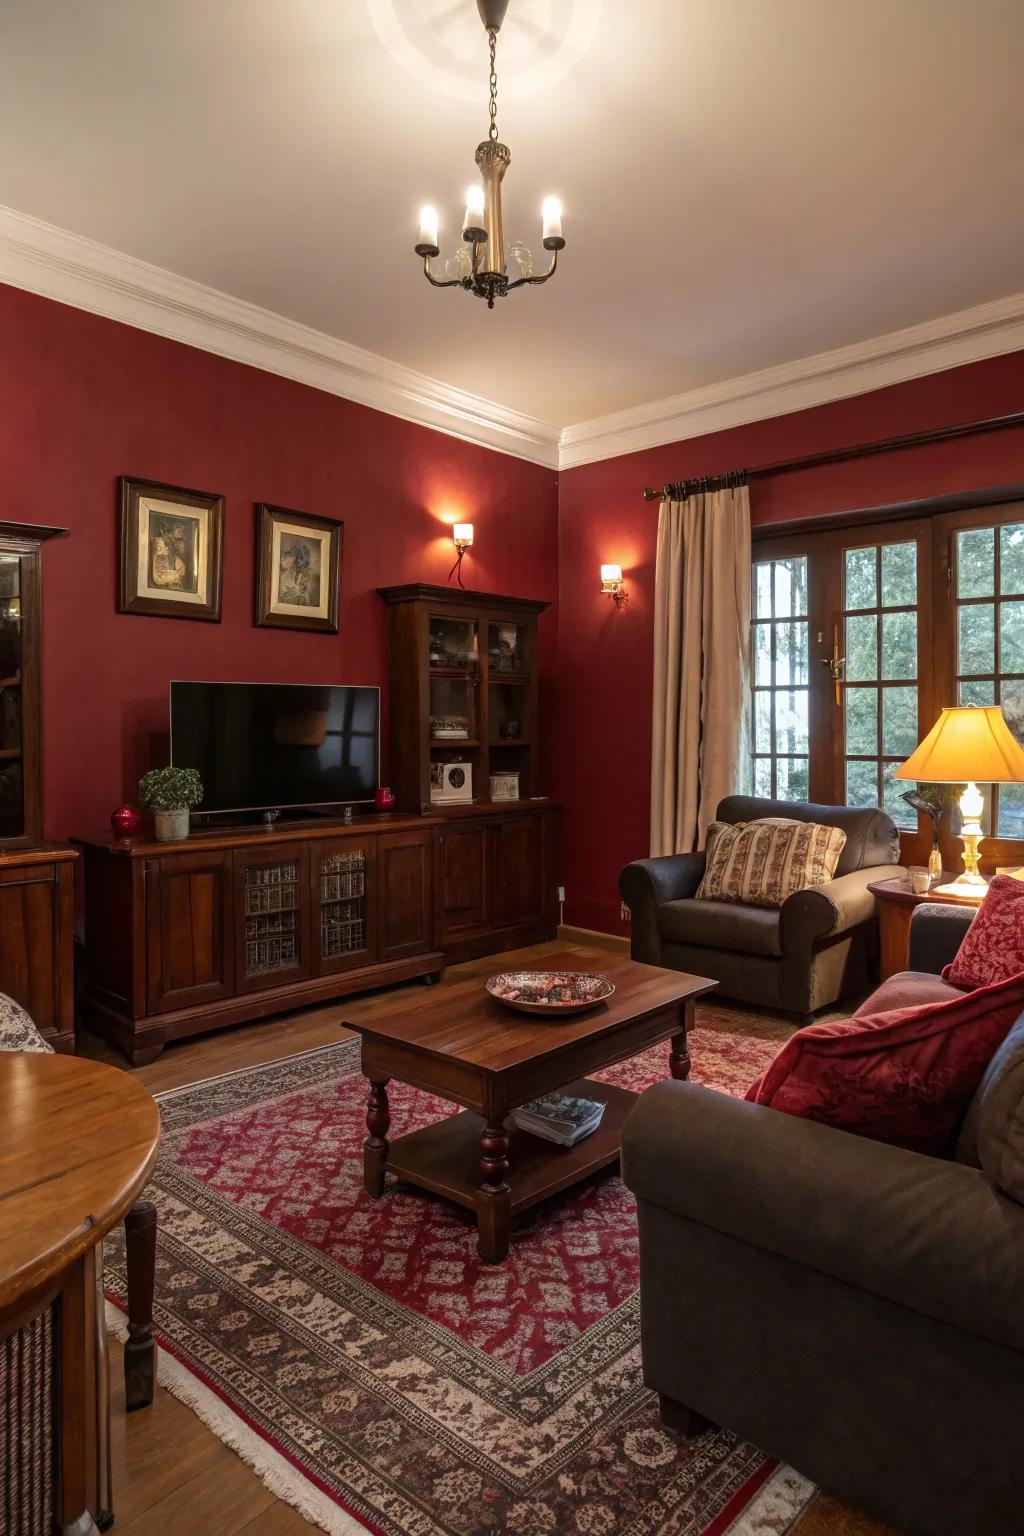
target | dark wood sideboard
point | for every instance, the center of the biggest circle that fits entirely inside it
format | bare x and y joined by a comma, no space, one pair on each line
234,925
37,946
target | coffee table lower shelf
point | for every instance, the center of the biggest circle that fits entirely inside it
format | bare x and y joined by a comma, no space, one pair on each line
445,1157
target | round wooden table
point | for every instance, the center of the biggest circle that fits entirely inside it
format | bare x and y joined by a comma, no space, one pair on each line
79,1143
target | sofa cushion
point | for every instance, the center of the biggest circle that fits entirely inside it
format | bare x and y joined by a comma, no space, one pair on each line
992,1136
761,863
906,990
905,1076
871,836
721,925
993,946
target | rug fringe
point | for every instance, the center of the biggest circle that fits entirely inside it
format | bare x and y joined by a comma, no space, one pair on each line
273,1470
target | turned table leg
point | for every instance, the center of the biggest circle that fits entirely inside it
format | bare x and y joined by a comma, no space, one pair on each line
140,1268
494,1201
375,1147
679,1052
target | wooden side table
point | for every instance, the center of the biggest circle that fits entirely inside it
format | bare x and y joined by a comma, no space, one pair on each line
896,903
79,1143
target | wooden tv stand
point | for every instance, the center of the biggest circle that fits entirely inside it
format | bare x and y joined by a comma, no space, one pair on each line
232,925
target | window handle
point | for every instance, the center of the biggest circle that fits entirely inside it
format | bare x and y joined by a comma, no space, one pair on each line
836,665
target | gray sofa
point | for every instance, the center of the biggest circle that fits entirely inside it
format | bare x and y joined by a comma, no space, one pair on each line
849,1307
818,947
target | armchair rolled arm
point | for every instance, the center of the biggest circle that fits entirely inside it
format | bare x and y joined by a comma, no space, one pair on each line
645,885
936,932
926,1233
835,907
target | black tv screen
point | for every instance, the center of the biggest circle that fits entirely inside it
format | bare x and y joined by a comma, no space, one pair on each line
268,746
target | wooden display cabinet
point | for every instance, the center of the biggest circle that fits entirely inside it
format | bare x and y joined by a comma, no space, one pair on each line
467,662
36,879
238,924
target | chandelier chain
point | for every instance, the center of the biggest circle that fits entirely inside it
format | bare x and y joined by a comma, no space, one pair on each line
492,132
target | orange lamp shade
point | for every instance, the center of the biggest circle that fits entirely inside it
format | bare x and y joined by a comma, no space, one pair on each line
969,744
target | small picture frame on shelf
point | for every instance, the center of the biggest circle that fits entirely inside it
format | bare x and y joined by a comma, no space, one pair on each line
504,786
171,551
298,569
451,783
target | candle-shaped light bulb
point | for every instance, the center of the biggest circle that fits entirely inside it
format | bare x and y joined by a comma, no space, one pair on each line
473,227
428,226
551,213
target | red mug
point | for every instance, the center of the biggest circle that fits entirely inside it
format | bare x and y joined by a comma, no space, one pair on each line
384,799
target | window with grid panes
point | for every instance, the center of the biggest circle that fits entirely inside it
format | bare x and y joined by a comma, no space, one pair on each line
920,614
988,640
780,670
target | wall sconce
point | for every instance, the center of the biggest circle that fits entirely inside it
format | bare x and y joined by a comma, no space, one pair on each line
462,538
613,586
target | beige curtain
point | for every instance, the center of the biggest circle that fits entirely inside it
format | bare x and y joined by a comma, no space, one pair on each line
699,747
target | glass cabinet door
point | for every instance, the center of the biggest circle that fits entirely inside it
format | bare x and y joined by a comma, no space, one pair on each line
343,913
271,904
12,740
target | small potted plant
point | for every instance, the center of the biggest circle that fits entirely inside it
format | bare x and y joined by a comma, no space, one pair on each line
170,793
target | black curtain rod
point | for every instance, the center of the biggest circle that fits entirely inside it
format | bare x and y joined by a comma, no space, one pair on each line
679,490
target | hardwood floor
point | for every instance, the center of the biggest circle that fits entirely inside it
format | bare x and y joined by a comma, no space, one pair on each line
171,1474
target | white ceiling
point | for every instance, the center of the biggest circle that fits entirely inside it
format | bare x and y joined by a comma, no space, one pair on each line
746,182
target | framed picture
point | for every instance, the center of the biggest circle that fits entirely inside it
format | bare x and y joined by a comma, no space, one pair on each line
171,551
298,569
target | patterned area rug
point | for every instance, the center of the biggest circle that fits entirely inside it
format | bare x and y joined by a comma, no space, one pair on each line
377,1374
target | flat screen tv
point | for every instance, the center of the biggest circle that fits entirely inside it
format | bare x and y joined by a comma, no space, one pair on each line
277,746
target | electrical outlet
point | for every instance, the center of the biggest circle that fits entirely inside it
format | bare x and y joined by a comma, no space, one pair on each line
625,913
561,893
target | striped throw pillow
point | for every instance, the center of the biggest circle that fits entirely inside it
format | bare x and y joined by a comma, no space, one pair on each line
760,863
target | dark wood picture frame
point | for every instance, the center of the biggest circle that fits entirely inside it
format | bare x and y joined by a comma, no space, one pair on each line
206,604
330,532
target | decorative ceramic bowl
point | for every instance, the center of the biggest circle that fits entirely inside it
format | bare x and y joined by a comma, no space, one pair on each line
549,993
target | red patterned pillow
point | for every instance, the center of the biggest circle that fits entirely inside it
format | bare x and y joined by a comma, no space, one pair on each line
905,1076
993,946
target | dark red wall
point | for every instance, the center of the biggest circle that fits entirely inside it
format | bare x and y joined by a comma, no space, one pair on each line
603,701
84,400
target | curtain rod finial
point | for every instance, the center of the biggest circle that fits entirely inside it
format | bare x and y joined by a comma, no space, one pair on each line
650,494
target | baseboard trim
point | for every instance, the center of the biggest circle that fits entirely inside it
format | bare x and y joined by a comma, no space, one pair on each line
618,943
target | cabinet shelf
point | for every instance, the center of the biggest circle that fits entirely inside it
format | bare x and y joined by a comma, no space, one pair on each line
11,682
512,741
464,674
517,679
8,754
454,741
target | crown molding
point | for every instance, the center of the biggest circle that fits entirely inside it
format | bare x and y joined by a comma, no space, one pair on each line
59,265
73,270
969,336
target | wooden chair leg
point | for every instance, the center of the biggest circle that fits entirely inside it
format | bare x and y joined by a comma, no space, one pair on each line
140,1264
104,1471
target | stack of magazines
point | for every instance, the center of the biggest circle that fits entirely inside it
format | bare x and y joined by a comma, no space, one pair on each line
560,1118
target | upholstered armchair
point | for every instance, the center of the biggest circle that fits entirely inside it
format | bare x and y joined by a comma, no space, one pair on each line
819,946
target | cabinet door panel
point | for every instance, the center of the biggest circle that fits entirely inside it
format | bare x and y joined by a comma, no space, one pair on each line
188,930
343,906
463,878
519,869
404,882
272,910
28,943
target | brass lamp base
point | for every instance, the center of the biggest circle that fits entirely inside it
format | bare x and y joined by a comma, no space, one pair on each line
971,885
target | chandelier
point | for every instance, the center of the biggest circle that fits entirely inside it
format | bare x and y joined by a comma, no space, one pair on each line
481,264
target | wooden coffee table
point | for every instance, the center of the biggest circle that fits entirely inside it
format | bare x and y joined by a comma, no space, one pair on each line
459,1043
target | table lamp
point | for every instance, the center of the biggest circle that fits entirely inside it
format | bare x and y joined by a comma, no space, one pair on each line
967,745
